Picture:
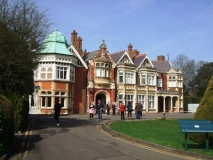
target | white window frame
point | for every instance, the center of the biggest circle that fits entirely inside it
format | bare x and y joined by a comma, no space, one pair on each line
102,69
151,79
46,97
129,78
151,101
72,74
172,81
62,72
141,99
128,98
143,79
121,77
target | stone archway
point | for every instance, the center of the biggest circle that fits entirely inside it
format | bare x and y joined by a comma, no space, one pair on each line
103,96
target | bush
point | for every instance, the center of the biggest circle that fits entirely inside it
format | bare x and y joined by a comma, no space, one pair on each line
6,124
204,111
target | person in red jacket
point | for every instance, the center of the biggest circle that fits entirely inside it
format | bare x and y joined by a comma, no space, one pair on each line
122,109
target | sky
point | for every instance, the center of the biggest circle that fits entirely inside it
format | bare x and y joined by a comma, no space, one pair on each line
155,27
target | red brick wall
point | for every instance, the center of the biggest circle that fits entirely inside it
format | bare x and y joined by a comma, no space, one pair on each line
46,85
60,85
80,90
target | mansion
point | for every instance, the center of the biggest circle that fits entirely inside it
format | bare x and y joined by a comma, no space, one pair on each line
77,78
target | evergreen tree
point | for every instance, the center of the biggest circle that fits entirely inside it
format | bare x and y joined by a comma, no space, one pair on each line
204,111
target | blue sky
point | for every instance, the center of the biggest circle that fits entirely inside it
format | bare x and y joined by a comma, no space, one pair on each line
156,27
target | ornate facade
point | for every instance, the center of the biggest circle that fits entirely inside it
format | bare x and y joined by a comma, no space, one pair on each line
78,78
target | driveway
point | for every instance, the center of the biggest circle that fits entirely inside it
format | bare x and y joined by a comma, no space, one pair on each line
81,138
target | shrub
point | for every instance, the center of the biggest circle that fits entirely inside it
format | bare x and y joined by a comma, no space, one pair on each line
204,111
6,124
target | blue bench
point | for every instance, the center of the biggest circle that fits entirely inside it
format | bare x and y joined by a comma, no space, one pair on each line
196,126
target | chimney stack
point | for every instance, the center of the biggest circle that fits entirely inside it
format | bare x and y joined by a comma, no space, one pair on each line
130,50
161,58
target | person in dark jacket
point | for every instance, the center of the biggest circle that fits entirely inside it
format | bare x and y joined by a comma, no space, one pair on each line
57,109
113,108
99,108
129,110
139,108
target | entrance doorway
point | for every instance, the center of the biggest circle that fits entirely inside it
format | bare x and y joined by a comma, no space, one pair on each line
102,98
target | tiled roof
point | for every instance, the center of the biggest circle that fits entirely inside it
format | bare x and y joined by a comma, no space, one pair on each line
162,65
138,59
116,56
90,55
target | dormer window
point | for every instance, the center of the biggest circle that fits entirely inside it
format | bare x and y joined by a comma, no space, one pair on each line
102,69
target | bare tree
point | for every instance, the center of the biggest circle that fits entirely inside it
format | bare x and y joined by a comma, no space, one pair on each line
23,29
189,68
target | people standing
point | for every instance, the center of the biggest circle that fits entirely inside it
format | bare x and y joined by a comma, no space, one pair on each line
129,110
122,109
91,110
139,108
99,108
57,108
113,108
108,108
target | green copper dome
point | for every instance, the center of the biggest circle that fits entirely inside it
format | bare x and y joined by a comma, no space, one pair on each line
55,42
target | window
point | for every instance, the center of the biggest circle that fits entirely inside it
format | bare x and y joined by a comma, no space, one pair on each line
159,82
35,74
151,101
102,70
72,74
129,78
143,82
43,73
151,79
120,98
46,73
49,73
121,77
61,72
140,99
172,81
46,99
128,98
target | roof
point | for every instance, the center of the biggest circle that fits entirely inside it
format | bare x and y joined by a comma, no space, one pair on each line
162,65
116,56
55,42
138,59
90,55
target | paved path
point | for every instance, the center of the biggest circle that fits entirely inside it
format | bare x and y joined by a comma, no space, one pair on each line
78,138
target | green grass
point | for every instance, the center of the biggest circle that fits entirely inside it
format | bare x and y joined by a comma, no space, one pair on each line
162,132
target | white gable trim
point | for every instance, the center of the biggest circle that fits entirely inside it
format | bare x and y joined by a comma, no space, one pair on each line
125,53
77,54
144,60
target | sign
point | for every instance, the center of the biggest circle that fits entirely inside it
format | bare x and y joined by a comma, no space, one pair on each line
192,107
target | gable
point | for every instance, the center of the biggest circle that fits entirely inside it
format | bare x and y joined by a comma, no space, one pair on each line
143,61
125,59
71,47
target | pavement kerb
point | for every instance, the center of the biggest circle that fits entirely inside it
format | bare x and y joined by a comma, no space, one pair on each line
106,127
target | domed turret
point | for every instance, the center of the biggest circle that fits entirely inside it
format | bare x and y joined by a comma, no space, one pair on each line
55,42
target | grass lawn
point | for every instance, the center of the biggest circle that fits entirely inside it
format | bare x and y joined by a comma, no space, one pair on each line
162,132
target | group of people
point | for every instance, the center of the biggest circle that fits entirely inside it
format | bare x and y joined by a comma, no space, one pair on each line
93,109
99,109
129,107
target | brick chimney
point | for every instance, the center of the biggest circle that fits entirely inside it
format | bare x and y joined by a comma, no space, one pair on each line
161,58
73,35
130,50
135,52
77,42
